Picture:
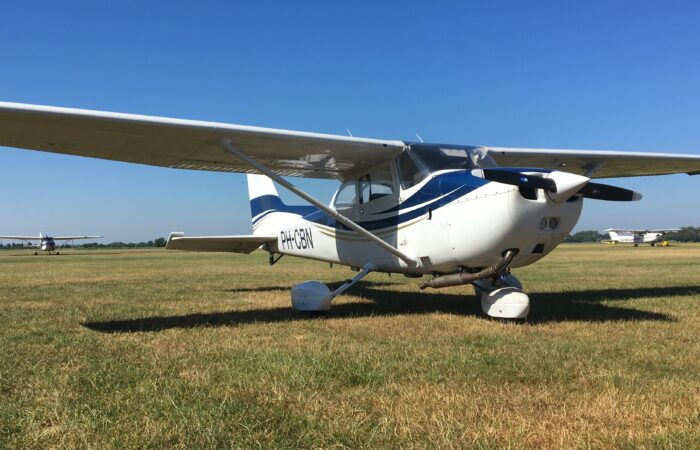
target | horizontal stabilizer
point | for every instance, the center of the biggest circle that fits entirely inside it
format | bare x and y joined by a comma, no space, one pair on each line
234,244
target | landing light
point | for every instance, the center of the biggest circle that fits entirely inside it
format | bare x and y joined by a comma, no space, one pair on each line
549,223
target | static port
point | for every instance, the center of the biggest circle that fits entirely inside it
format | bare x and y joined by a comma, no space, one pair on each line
553,223
543,223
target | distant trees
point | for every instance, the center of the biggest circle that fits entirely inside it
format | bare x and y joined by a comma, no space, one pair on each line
686,234
158,242
14,245
585,236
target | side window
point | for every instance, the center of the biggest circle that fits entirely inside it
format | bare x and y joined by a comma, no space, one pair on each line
376,184
408,172
345,197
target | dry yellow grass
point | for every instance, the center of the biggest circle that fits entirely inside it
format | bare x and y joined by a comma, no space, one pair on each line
159,349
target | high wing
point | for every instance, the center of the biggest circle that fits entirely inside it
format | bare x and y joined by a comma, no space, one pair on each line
22,238
620,230
191,144
73,238
235,244
597,163
186,144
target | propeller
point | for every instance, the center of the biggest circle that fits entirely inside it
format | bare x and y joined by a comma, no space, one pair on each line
519,179
559,185
599,191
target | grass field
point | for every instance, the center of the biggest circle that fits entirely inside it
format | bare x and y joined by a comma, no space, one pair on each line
123,349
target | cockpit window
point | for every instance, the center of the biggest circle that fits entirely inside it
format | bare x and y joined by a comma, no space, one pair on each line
408,171
377,183
345,197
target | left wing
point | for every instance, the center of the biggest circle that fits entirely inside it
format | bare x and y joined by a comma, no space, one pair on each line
597,163
22,238
235,244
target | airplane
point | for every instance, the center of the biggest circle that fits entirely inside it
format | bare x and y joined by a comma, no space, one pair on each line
636,237
458,214
48,243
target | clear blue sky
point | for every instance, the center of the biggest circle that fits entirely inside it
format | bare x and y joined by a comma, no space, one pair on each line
595,75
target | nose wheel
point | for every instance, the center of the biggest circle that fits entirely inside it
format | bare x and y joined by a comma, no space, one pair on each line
503,297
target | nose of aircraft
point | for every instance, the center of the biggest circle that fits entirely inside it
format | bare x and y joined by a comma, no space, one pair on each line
540,224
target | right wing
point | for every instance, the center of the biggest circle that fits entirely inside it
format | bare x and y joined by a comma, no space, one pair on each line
186,144
235,244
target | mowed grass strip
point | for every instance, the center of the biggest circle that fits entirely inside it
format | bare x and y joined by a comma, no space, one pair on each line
149,348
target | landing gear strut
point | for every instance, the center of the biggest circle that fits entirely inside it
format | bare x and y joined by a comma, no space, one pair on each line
315,296
501,293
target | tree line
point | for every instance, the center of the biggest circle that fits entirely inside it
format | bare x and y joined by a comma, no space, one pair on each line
685,234
158,242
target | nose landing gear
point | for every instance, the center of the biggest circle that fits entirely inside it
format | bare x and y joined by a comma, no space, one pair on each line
503,297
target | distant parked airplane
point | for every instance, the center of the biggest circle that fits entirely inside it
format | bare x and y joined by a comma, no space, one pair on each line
636,237
48,243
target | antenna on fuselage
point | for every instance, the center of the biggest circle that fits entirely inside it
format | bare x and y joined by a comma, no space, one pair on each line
419,138
349,133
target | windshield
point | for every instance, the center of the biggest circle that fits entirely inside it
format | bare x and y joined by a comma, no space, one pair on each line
419,161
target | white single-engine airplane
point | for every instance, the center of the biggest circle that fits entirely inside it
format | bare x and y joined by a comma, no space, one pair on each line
459,214
636,237
48,243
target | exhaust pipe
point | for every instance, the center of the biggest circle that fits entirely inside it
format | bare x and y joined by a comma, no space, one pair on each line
458,279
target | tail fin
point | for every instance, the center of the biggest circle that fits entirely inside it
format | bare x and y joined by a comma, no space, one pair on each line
264,200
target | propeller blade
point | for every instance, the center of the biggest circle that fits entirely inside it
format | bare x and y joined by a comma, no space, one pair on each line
519,179
600,191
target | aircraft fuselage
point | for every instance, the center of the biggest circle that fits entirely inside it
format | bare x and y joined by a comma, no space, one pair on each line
452,221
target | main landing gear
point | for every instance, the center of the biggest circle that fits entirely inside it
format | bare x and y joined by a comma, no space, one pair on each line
311,296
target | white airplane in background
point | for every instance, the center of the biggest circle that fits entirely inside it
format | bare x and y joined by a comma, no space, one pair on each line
458,214
48,243
636,237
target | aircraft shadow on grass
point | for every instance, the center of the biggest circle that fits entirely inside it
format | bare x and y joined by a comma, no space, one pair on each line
547,307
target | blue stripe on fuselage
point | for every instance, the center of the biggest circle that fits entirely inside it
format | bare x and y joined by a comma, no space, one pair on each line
439,191
271,203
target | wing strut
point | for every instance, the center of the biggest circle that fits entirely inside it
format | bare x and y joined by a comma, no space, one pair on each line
229,147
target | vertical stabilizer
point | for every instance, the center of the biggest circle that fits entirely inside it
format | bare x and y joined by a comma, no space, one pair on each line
260,186
265,202
264,199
